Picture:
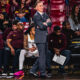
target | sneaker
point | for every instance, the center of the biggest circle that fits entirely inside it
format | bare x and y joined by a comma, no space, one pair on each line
4,75
9,77
0,71
49,75
19,74
11,74
61,71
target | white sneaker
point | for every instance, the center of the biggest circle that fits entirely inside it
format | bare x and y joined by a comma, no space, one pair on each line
8,77
4,75
11,74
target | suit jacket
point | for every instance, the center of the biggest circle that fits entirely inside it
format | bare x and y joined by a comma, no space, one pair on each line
40,29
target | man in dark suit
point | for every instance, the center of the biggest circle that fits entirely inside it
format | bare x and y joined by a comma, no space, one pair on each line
42,21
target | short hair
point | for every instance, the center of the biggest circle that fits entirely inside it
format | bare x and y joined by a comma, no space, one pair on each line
37,2
64,23
56,28
30,27
20,24
15,22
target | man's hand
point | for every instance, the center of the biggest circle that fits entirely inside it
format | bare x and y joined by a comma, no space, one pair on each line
44,23
32,49
28,1
57,51
14,2
12,51
48,20
77,33
5,22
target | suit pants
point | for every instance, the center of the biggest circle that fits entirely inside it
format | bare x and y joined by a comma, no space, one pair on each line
40,63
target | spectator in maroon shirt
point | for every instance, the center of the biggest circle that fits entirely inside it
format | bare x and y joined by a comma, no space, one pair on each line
9,29
69,33
7,52
57,45
4,22
15,44
15,40
5,7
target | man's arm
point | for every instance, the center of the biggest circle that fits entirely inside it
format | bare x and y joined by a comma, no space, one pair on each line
41,25
10,46
26,42
14,2
48,21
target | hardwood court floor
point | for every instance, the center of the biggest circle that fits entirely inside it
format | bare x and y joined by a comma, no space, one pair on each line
55,77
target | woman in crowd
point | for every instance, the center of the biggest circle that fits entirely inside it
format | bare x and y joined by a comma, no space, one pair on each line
30,48
74,20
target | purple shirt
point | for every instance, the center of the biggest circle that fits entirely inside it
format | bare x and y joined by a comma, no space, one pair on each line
6,32
17,39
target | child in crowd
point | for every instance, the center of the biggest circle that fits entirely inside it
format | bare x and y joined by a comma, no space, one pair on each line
21,17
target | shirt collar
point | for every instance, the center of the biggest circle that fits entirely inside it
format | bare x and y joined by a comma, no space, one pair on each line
41,13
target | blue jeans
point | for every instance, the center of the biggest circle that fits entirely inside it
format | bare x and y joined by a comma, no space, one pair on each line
15,58
50,55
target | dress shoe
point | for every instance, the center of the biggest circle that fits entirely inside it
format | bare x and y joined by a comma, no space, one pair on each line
33,74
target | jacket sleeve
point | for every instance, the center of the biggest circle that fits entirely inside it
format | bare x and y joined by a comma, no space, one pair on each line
37,20
49,23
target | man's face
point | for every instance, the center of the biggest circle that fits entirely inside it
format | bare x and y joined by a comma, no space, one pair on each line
20,27
1,16
58,32
68,26
14,27
40,7
20,15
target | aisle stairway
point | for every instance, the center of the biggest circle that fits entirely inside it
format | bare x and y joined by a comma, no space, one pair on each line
57,12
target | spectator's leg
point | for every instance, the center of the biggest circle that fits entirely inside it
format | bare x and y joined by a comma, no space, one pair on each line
66,53
16,60
22,58
1,54
6,60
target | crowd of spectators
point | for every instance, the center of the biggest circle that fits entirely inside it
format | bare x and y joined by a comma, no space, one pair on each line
15,18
